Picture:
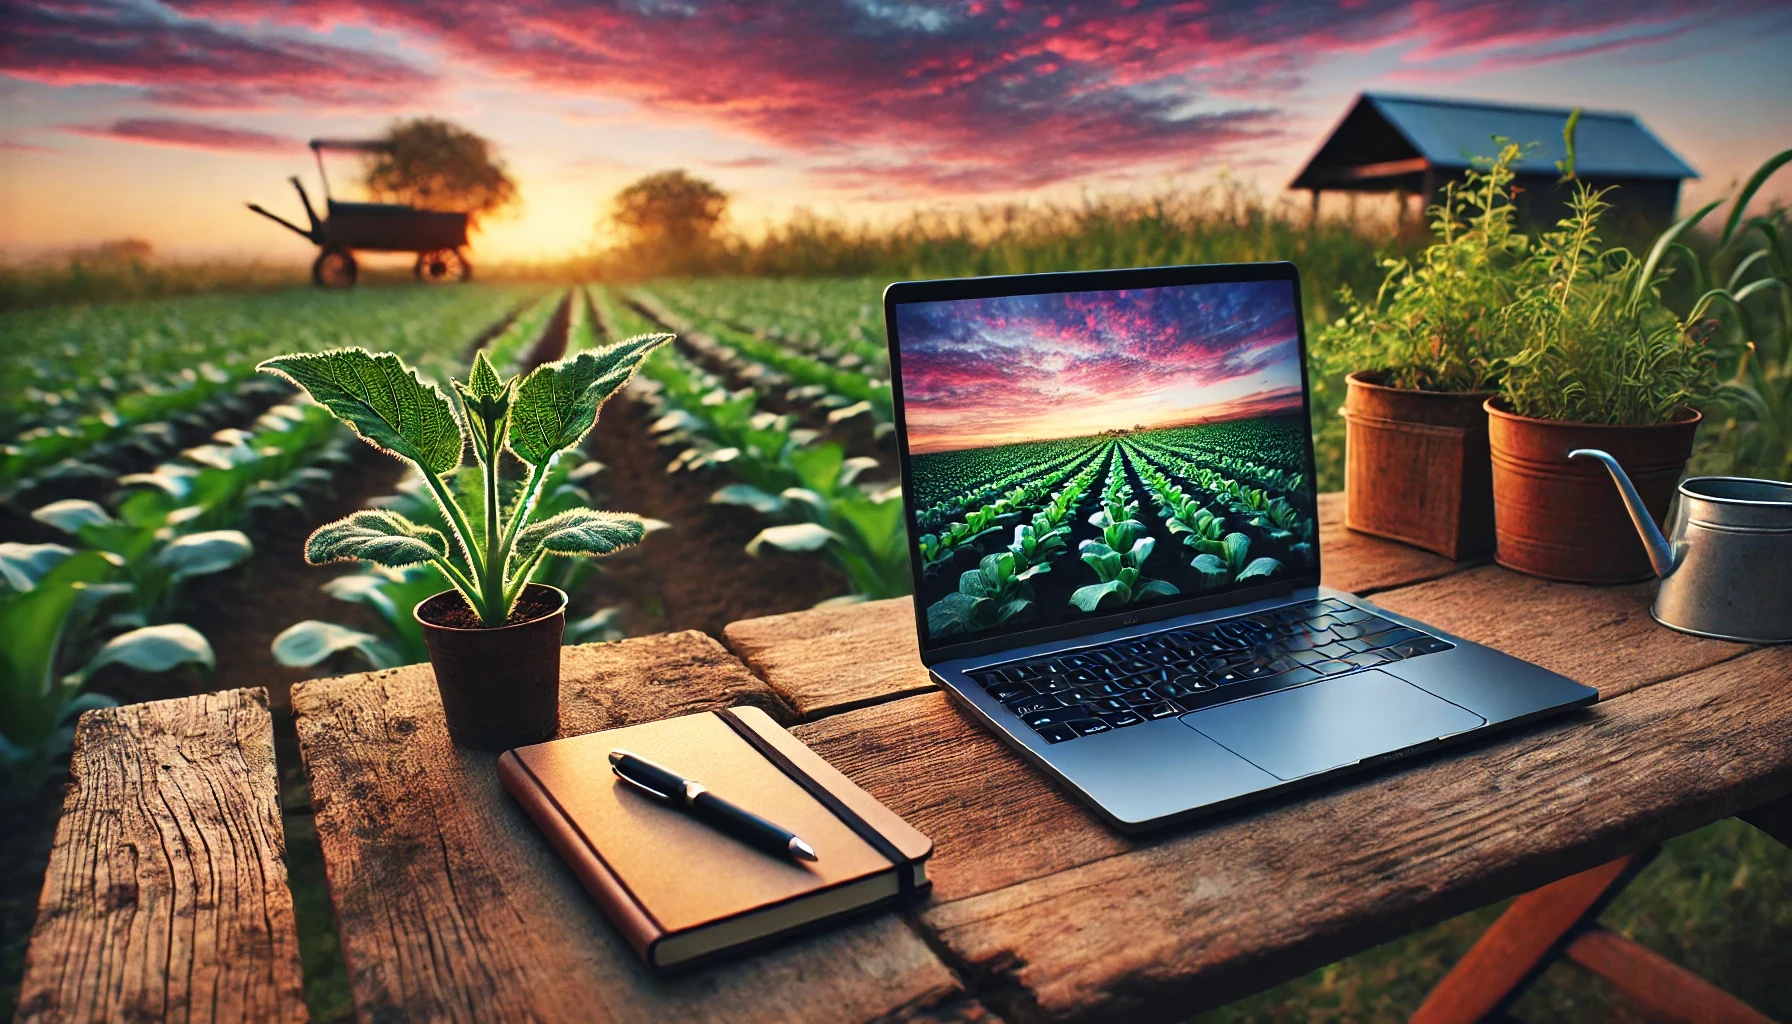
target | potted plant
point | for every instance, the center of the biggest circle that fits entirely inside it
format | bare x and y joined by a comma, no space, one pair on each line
1604,365
494,636
1421,359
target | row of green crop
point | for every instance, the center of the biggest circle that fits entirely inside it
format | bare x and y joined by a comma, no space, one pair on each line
86,391
837,321
841,389
812,494
110,593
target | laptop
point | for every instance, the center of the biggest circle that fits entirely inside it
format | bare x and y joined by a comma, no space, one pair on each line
1114,538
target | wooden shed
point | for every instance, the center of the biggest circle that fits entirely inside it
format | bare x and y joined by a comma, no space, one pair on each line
1412,145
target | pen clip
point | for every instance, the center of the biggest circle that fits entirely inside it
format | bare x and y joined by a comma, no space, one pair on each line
643,787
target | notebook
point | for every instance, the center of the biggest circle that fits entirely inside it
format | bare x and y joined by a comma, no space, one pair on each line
680,891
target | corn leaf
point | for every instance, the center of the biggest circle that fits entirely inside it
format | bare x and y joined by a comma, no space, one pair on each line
1755,182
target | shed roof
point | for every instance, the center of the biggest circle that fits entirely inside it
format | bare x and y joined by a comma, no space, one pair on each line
1448,134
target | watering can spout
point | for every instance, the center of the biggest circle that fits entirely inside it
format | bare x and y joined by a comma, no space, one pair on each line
1661,555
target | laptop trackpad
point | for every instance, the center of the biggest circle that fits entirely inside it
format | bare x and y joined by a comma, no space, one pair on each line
1331,723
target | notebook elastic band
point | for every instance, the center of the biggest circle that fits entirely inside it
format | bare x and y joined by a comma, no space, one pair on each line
905,873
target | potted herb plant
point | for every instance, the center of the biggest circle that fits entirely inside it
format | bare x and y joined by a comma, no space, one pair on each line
494,636
1604,365
1421,358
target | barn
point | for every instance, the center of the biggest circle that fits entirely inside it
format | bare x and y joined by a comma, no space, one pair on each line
1412,145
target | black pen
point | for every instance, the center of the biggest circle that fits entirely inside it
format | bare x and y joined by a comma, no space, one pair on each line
668,787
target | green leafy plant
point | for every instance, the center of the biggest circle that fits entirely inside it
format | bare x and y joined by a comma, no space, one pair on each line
153,557
1232,563
1599,346
1198,527
50,597
1744,282
987,596
1121,575
533,418
1431,324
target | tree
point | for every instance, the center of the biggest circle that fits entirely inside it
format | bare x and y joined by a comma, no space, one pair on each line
436,165
669,215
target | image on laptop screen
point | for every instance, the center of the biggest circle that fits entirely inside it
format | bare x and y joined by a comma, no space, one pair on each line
1083,453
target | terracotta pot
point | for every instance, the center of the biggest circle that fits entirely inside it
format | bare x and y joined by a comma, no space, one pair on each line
500,687
1563,520
1416,466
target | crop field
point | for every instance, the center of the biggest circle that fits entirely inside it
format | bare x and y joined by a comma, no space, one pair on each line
1185,509
155,493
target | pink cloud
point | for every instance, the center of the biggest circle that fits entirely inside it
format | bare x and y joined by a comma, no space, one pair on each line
187,135
184,62
890,97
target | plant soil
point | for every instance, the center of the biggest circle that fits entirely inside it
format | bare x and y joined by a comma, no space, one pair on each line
455,614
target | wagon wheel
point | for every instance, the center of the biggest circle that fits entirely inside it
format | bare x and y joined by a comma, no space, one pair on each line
442,265
335,268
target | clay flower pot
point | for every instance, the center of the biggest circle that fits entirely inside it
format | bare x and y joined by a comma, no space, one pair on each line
1416,466
500,687
1563,520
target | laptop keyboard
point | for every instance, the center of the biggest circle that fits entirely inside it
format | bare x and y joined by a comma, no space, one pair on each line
1099,689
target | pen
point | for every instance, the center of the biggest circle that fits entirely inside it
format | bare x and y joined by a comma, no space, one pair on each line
668,787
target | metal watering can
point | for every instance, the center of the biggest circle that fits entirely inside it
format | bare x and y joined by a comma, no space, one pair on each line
1726,562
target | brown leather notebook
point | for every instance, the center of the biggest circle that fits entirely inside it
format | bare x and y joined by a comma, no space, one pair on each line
681,891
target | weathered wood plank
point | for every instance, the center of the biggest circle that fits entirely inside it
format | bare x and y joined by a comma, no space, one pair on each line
452,907
1600,636
828,660
1204,915
1362,564
166,894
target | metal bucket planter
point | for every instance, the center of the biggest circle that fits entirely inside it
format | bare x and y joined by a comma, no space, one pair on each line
500,687
1416,467
1560,518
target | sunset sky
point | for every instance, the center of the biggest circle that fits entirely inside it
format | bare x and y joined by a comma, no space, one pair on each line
985,372
160,119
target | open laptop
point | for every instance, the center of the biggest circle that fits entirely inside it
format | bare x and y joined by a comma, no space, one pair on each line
1109,485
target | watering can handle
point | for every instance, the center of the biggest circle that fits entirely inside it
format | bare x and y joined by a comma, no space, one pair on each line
1661,554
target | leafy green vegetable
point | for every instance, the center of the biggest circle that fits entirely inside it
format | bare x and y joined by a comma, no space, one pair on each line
557,404
494,556
383,399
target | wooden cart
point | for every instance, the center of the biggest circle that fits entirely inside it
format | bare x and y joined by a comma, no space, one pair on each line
437,237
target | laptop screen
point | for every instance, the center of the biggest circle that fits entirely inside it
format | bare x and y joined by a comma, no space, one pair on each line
1077,454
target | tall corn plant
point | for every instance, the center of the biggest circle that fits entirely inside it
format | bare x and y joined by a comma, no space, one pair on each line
1744,283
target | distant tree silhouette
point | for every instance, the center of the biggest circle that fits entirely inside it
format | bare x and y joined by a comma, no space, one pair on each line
668,219
438,165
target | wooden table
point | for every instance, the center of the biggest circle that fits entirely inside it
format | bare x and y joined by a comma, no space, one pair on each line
452,907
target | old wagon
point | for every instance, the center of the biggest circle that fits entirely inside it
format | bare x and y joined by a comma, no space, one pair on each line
437,237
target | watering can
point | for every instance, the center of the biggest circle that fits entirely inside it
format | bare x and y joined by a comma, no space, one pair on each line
1726,562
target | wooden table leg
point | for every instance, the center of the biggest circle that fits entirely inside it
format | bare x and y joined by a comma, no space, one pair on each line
1516,949
1661,988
